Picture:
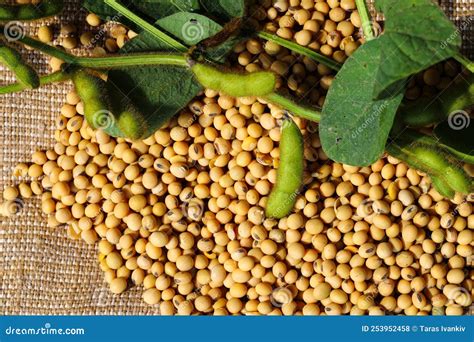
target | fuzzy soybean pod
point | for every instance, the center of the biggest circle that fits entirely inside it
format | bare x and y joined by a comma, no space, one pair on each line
408,157
446,175
128,119
46,8
259,83
442,187
93,92
108,109
25,74
439,161
132,124
290,172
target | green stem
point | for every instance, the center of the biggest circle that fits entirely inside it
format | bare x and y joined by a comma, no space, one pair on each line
114,62
466,62
58,76
146,26
365,19
302,111
45,48
301,50
109,62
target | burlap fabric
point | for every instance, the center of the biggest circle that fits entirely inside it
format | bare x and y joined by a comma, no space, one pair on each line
42,271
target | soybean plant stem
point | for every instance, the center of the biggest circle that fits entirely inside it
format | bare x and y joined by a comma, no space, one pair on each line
58,76
466,62
302,111
109,62
301,50
365,19
146,26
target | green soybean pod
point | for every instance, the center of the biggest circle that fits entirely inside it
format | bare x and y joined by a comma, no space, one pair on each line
458,179
93,92
25,74
46,8
429,157
102,101
133,124
442,187
447,177
437,160
290,172
406,156
462,156
259,83
129,121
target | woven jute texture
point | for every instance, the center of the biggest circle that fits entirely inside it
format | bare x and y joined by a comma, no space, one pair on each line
42,271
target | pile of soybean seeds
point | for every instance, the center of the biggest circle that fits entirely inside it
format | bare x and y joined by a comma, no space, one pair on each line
182,212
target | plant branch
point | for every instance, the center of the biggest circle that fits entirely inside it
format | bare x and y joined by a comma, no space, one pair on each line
466,62
59,76
109,62
300,49
302,111
146,26
365,19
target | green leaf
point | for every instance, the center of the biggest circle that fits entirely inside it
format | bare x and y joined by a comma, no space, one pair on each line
162,91
226,9
354,127
189,28
162,8
145,42
152,8
159,92
456,135
107,13
99,8
417,35
220,52
218,47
